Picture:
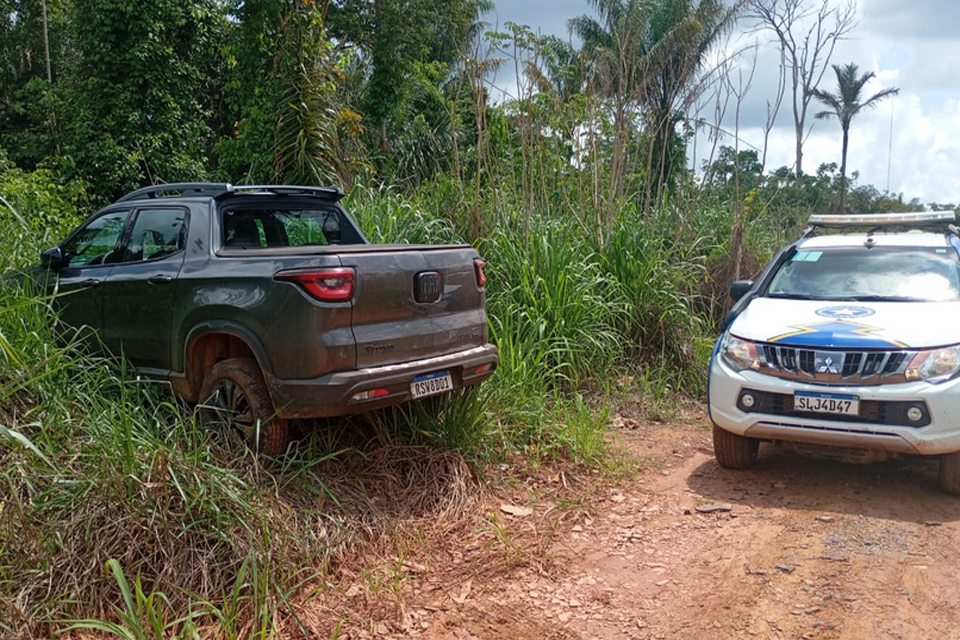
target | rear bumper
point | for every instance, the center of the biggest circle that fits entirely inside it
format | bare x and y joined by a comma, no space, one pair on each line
331,395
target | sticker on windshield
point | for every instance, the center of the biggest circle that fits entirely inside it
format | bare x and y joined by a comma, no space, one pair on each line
806,256
845,312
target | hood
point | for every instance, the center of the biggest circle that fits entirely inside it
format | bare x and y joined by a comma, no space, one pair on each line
855,325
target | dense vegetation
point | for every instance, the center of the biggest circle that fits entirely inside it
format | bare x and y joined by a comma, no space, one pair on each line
608,261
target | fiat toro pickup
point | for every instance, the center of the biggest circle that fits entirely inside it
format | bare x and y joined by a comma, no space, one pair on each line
267,303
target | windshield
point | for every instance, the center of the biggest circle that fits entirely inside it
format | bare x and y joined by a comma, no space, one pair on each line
877,273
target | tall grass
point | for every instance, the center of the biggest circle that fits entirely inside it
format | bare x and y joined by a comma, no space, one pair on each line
570,314
96,467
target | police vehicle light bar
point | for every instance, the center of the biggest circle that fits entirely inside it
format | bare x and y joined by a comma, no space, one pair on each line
883,219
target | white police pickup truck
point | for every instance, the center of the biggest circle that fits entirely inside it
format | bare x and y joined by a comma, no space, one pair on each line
847,339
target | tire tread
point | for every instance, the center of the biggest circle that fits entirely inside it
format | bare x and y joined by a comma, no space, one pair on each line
734,451
949,478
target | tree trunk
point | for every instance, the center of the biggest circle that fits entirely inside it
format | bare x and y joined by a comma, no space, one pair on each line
384,143
616,160
843,167
46,41
799,131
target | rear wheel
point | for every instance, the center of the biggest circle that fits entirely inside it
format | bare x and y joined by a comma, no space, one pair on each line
950,473
235,400
734,451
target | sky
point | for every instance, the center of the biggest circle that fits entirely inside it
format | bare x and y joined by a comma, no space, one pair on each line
911,45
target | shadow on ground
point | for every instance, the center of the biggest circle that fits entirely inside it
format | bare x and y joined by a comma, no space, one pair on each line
902,489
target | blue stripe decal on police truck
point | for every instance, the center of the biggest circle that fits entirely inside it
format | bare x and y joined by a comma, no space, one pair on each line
836,333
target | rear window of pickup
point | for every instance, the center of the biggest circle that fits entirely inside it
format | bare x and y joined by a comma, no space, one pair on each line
261,227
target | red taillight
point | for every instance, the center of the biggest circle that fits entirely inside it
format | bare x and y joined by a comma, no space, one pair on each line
329,285
478,267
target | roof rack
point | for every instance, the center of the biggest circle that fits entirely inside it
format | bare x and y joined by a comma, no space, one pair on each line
918,219
223,189
286,189
178,188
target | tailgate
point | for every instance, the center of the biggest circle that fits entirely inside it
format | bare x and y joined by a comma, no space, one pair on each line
415,302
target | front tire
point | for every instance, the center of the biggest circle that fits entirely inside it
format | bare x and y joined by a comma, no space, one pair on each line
949,480
734,451
234,399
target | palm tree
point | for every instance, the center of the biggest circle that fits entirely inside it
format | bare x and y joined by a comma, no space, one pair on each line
647,53
613,42
562,72
845,104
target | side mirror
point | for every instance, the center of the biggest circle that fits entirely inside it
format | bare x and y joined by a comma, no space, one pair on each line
52,258
739,289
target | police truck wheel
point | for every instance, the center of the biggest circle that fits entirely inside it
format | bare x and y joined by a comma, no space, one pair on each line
734,451
950,473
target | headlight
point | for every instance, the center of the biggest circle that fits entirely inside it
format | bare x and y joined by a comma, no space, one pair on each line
934,365
740,354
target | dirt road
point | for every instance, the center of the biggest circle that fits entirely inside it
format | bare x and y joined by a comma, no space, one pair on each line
796,548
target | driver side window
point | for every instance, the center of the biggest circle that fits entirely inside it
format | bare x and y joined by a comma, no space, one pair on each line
96,243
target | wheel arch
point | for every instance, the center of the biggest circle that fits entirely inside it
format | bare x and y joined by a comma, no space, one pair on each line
214,341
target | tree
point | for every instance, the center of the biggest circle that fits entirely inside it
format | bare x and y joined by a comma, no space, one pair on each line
614,44
677,41
391,36
807,37
845,105
285,118
33,50
561,70
646,55
140,92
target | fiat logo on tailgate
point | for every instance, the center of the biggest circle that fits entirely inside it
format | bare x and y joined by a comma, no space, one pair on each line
428,286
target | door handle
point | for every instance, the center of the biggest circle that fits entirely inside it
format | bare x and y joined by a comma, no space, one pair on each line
89,283
163,279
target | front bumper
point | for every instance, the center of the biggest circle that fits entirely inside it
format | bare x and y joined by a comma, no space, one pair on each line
331,395
940,433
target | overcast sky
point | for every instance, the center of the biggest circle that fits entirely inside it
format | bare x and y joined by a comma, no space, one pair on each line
910,44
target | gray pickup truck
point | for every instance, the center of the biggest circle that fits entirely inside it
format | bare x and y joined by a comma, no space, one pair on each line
266,303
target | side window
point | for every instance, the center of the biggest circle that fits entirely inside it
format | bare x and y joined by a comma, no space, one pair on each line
96,243
156,233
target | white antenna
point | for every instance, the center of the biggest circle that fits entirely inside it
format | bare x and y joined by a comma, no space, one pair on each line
893,100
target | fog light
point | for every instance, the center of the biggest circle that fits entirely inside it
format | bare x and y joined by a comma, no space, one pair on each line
748,400
915,414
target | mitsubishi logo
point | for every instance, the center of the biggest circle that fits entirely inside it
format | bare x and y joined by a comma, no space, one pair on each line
825,364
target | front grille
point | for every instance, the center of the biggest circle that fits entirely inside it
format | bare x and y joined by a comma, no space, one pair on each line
892,413
834,366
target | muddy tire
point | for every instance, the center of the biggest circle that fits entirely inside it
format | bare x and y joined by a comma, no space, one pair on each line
734,451
235,400
949,480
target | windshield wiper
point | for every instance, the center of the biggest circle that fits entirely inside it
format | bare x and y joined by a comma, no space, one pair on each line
805,296
892,299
